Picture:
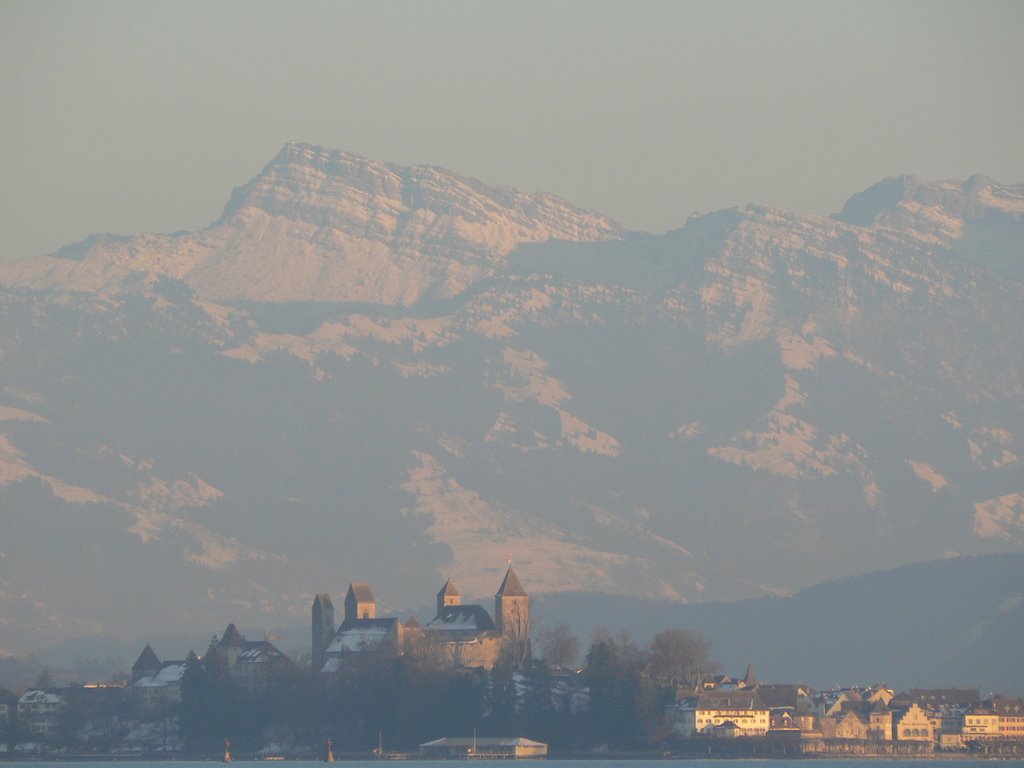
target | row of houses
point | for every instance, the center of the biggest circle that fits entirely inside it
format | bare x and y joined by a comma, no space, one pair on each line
154,688
41,712
931,718
155,685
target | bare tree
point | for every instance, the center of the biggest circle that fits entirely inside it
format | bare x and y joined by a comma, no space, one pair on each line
559,647
516,628
677,656
427,650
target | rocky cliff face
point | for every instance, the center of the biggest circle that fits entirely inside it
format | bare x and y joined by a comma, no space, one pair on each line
364,372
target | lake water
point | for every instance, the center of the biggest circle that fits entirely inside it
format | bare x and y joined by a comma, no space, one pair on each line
803,763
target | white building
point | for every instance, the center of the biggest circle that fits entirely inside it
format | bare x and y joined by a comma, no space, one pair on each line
41,712
739,713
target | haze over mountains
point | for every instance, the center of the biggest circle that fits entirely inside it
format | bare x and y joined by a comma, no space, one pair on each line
367,372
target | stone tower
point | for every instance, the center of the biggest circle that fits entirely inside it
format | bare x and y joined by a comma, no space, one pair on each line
448,595
323,627
359,603
512,616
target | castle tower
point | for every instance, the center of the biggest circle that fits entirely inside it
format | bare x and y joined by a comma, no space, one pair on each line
147,664
323,627
231,645
512,616
448,595
359,603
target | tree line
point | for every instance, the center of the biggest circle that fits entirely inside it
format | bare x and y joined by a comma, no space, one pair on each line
616,698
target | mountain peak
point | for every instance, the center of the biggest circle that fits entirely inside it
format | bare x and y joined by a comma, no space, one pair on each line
319,224
347,191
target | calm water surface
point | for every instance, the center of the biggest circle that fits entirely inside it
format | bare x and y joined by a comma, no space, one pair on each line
739,763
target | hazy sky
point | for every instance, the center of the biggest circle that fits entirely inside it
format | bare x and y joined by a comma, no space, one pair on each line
141,116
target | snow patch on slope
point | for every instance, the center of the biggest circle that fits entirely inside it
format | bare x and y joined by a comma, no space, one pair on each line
524,377
481,535
1001,518
990,447
801,352
787,445
929,474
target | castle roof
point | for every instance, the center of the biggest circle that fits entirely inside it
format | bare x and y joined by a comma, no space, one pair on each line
412,623
361,591
232,638
462,618
510,586
324,599
448,590
360,635
170,674
261,652
147,660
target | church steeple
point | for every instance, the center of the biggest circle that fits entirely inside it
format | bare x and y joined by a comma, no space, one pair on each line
512,615
750,679
510,586
147,664
359,603
448,595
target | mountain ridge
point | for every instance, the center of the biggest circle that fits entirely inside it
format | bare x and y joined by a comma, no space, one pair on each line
326,225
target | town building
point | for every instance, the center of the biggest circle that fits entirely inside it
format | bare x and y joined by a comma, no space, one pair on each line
155,685
478,748
980,723
847,725
251,664
700,714
911,723
1011,717
40,712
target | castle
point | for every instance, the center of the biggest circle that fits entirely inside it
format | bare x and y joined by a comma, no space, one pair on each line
459,636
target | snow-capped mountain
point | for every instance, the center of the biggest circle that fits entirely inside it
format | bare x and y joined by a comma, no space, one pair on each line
366,372
321,225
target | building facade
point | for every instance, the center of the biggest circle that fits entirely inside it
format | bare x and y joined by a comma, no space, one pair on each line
700,715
